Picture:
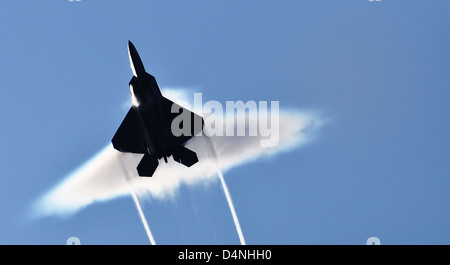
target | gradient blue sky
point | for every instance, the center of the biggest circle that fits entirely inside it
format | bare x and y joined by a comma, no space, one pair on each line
378,70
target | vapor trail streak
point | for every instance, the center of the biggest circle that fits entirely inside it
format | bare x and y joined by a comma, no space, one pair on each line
226,191
144,221
230,204
138,204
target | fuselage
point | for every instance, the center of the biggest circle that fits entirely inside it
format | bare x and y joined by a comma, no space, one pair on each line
148,98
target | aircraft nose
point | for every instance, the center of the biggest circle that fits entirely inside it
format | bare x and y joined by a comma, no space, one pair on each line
135,61
130,45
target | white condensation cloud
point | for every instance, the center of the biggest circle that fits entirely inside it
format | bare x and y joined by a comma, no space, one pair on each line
111,174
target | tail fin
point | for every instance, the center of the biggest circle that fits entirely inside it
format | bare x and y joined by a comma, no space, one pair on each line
147,166
184,156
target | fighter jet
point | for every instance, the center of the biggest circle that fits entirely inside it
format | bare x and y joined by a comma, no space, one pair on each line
147,128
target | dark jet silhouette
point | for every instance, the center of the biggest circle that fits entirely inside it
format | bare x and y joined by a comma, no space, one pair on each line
147,128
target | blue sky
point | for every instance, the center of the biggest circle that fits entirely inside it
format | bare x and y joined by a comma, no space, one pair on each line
377,70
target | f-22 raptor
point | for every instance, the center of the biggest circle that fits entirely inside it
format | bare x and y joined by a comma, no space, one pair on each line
147,128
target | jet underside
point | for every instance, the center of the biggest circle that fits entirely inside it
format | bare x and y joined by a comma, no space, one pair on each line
147,127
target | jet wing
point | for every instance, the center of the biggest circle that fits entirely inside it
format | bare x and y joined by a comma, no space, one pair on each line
129,137
196,121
